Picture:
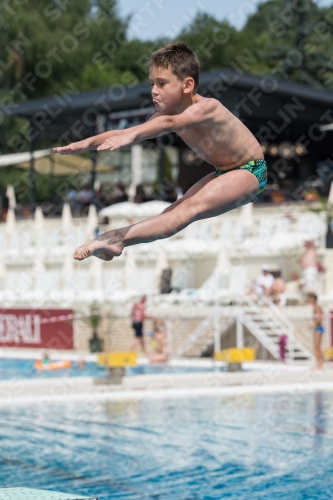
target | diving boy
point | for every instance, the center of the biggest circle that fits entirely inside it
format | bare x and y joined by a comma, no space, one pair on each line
208,128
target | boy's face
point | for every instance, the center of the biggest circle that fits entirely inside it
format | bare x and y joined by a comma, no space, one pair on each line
166,89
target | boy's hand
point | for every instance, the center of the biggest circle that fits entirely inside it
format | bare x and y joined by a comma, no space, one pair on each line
75,148
117,141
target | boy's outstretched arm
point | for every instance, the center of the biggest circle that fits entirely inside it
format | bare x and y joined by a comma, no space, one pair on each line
88,144
160,124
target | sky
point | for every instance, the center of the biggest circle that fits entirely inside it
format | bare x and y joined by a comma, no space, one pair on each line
157,18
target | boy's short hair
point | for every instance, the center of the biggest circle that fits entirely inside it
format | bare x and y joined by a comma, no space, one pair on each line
312,296
179,58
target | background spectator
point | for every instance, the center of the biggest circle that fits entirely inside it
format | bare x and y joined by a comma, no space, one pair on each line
140,194
295,284
85,196
318,330
138,315
160,354
309,266
277,289
119,194
264,281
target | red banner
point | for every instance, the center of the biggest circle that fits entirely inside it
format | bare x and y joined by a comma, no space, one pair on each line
31,328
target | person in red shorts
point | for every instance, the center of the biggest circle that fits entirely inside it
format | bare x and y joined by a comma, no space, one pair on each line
138,315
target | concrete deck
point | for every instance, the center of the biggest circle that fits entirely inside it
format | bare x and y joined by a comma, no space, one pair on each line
269,378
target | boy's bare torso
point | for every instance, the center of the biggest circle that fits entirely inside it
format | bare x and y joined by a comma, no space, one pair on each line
221,140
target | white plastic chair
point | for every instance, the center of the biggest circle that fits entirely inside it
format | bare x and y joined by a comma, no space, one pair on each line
47,284
17,285
12,249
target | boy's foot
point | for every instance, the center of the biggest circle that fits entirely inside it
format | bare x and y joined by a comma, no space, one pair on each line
101,249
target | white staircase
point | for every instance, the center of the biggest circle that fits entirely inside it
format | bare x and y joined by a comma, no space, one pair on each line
263,319
266,323
203,334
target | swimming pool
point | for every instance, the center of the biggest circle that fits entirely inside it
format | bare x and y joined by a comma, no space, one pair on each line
247,447
24,368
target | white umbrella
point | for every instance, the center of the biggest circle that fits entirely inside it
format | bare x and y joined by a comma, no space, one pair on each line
130,266
10,221
330,196
10,193
92,221
223,261
68,265
161,264
246,216
95,267
129,209
38,265
66,218
39,220
2,268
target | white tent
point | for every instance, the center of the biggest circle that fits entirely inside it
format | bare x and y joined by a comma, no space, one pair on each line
45,162
16,158
129,209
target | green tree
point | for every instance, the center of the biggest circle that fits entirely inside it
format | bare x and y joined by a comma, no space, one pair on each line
56,43
214,42
292,40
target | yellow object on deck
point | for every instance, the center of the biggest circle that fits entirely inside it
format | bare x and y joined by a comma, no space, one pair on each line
329,353
117,359
235,355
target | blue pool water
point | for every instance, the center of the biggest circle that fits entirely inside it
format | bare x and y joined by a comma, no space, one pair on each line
166,369
248,447
24,368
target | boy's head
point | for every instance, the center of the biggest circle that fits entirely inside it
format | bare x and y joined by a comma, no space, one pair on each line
312,298
173,74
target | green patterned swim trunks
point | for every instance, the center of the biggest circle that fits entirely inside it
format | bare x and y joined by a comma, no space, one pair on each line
258,168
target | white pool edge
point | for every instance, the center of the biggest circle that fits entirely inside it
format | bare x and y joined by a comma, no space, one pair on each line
146,395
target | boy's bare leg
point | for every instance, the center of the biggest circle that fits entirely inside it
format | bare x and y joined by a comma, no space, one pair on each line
213,196
318,351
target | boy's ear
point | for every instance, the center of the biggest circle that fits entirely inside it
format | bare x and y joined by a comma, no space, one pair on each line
188,85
